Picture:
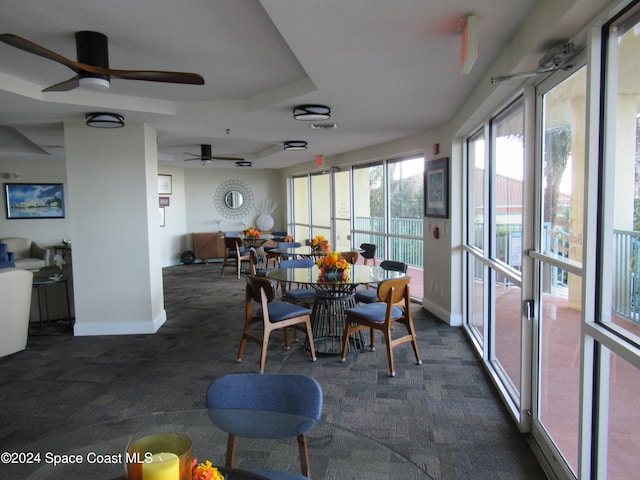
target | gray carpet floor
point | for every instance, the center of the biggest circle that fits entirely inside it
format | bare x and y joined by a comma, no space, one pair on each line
444,415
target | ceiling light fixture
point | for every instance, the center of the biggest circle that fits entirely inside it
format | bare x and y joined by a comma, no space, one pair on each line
243,163
105,120
294,145
311,112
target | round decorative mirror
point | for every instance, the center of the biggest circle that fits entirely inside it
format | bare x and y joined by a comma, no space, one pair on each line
233,199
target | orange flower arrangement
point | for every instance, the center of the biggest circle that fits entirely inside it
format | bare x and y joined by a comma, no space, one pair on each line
319,243
252,232
333,267
205,471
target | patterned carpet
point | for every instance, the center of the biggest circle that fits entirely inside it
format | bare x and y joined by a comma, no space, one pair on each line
444,415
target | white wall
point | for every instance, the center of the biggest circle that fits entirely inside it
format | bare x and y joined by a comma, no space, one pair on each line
192,207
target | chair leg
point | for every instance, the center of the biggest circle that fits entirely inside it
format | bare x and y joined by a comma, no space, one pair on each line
263,352
304,455
345,339
243,343
310,337
373,339
232,443
414,342
387,339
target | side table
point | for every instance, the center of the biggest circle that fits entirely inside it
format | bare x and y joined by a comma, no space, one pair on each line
42,282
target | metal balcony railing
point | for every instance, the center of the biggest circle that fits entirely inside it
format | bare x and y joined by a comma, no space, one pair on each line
402,247
626,280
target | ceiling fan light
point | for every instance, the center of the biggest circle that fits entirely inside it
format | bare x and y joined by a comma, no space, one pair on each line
105,120
94,83
294,145
311,112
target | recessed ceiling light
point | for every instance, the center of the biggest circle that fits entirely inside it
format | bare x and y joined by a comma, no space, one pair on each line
293,145
243,163
311,112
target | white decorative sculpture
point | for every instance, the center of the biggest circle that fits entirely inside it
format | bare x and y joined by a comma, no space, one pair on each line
264,222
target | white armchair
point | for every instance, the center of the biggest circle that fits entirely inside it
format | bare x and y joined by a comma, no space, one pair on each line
15,298
27,253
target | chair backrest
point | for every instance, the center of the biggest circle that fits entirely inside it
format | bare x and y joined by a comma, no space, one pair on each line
398,288
368,250
297,263
257,284
351,257
233,234
282,393
393,266
278,236
289,238
232,242
253,260
289,244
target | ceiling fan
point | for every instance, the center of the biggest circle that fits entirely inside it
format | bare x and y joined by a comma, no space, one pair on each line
205,155
92,68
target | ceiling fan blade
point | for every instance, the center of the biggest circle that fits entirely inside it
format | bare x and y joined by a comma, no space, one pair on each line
34,48
235,159
78,67
65,86
154,76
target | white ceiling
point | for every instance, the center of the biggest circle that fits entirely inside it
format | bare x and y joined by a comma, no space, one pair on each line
388,69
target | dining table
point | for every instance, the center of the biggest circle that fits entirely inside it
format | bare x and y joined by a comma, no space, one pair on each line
305,251
97,450
333,297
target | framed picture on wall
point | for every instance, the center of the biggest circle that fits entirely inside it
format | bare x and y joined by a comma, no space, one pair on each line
162,218
164,201
164,184
34,200
436,188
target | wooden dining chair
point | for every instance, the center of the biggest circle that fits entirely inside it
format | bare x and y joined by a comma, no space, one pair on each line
369,295
368,252
273,315
381,316
351,257
234,254
293,395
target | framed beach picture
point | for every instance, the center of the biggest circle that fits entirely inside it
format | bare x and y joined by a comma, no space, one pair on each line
436,188
34,200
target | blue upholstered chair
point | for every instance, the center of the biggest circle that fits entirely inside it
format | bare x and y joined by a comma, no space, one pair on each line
273,315
393,306
275,406
300,295
371,295
6,257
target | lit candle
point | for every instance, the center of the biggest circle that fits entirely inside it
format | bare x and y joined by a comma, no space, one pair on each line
162,466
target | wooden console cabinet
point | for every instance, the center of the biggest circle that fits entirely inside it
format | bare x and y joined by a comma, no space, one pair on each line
208,245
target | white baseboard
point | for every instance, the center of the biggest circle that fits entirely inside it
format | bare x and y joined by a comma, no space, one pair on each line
444,315
87,329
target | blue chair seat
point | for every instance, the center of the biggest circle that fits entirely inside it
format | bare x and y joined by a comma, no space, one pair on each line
367,296
301,293
279,311
374,312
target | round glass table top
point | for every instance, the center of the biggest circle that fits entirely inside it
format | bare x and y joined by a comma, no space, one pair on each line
97,451
358,275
